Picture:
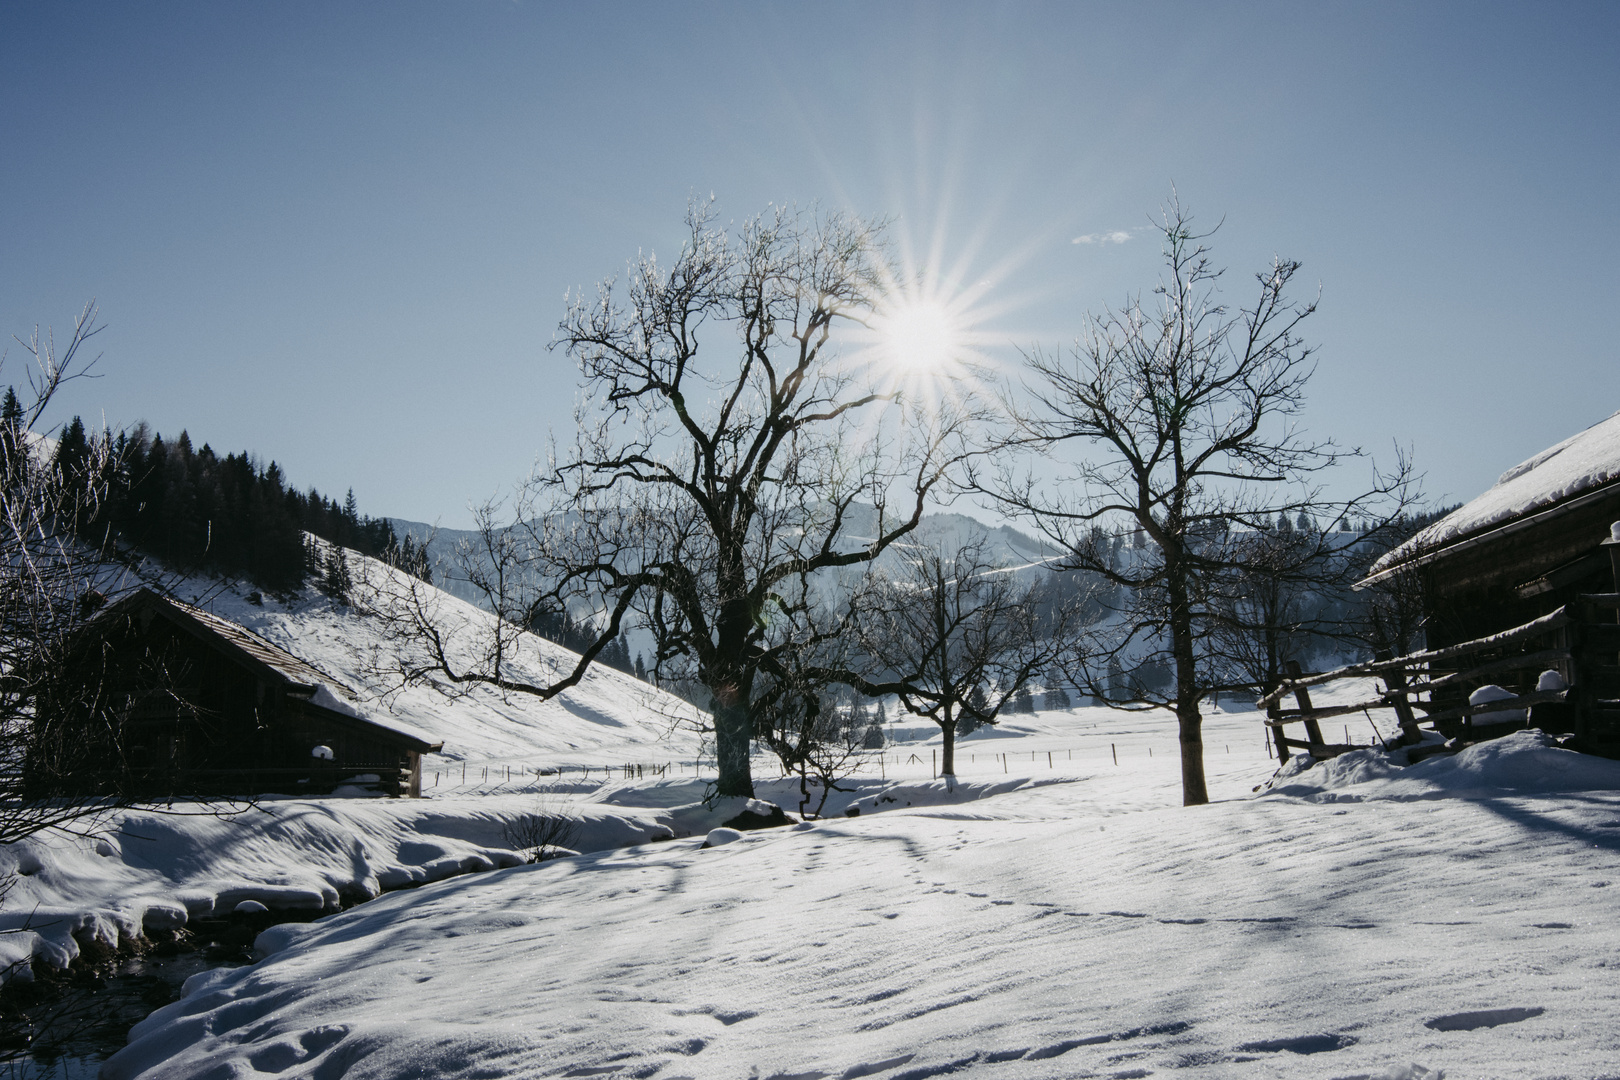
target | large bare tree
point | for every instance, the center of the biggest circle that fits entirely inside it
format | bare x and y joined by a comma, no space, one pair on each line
733,455
1176,420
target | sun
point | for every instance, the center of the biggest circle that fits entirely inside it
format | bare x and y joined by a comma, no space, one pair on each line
919,336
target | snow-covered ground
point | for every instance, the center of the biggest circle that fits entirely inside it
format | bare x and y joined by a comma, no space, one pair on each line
1046,921
1054,913
148,870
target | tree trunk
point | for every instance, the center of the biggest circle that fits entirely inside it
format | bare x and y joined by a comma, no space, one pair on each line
947,753
733,739
731,683
1190,724
1194,791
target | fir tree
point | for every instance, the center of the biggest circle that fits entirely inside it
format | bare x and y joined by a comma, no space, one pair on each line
13,452
336,581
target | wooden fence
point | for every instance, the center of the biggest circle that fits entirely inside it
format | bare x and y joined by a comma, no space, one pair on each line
1579,641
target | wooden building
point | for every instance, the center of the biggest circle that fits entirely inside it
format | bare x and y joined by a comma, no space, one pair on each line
161,698
1544,541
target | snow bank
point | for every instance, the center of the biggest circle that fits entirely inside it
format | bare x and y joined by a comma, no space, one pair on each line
155,871
1526,762
1577,464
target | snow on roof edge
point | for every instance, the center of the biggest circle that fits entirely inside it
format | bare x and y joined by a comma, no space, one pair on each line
1582,463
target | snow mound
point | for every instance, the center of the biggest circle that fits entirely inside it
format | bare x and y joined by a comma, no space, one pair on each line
1525,762
156,871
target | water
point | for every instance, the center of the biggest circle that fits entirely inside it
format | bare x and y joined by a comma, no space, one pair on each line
66,1025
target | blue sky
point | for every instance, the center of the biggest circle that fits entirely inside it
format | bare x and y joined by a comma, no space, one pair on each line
340,234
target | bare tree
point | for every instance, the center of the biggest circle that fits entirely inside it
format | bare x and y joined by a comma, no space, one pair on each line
801,714
53,580
1281,597
959,637
731,459
1183,414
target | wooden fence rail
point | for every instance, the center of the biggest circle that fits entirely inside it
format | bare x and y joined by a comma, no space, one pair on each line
1585,646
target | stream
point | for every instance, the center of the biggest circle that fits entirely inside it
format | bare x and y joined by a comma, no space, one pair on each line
63,1026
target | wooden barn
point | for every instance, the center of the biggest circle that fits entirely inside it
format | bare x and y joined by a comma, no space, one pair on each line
161,698
1534,560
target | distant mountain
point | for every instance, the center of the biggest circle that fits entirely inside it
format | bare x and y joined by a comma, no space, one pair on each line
1004,545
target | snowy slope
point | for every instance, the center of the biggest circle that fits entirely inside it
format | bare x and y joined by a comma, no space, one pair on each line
1577,464
610,717
1039,933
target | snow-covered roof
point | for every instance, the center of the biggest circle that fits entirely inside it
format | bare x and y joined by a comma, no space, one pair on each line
1558,475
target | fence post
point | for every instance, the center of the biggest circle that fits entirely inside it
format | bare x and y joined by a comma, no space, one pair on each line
1274,712
1396,681
1313,730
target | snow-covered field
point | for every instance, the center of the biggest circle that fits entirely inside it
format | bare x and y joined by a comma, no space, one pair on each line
1046,921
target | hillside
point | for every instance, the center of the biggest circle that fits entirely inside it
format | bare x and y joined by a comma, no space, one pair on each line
609,718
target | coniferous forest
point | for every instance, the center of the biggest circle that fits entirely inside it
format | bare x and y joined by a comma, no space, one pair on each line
232,515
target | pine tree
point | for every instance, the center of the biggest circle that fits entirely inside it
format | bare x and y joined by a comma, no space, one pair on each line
72,451
13,452
336,580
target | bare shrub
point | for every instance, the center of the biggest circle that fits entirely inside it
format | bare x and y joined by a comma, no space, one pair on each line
545,833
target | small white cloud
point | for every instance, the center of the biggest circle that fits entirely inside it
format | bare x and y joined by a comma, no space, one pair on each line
1118,236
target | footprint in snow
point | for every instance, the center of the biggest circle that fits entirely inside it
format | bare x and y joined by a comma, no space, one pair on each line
1484,1018
1302,1044
872,1068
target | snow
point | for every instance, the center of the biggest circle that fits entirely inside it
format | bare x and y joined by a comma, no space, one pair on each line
609,718
1490,692
1053,912
1579,463
1358,919
1523,763
151,870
